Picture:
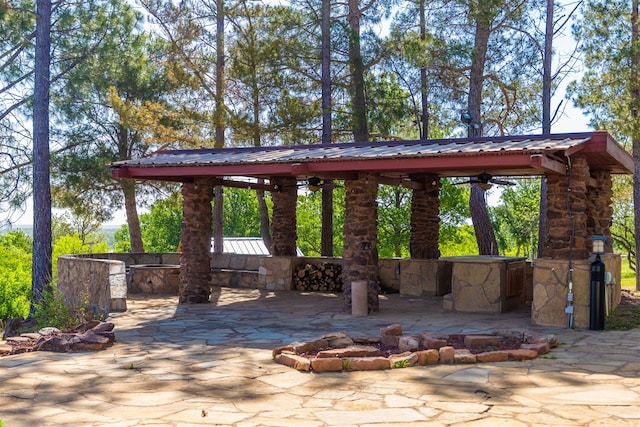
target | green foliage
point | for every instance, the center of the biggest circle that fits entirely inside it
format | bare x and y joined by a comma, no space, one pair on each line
388,107
605,89
73,244
161,226
241,217
458,240
627,276
394,221
121,241
518,217
52,311
622,227
308,221
15,275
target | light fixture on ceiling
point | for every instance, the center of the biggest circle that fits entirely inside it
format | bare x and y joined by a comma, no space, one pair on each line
314,184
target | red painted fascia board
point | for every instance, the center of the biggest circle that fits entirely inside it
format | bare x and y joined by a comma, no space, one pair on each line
603,143
402,165
426,164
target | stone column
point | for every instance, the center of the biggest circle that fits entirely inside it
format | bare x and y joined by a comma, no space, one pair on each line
567,212
599,210
283,223
425,218
195,259
360,254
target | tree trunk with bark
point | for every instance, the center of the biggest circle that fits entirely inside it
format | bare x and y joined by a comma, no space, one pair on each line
218,227
546,120
485,236
131,211
326,240
424,88
635,93
359,126
42,248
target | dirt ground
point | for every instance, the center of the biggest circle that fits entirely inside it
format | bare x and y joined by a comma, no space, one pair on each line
627,315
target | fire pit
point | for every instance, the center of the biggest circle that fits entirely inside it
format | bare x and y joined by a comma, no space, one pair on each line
153,279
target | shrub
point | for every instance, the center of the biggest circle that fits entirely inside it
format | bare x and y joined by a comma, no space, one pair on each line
15,275
52,311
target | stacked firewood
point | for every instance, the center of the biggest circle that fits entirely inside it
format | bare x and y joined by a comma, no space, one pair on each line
318,277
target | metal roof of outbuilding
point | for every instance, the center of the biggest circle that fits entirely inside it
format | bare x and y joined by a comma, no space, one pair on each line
514,155
247,246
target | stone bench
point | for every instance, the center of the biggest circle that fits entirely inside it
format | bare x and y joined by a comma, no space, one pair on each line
234,278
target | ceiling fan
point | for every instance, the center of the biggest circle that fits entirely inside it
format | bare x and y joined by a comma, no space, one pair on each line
315,184
484,181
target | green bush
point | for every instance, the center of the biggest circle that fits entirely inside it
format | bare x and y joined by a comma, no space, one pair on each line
52,311
15,275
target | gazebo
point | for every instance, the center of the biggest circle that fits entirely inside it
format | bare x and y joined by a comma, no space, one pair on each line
577,167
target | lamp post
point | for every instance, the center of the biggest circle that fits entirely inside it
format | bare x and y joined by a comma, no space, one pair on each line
597,288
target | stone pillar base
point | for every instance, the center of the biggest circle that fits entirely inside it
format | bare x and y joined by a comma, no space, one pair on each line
550,290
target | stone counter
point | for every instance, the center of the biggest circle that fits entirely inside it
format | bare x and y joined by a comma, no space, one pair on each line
486,284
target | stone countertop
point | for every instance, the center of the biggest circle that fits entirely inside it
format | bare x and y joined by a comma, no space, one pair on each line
482,258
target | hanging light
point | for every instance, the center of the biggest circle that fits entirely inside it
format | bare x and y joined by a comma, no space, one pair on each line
314,184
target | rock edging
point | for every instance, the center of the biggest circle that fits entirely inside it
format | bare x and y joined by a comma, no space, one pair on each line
336,352
91,336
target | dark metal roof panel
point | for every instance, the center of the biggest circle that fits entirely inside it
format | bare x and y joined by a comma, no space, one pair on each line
354,151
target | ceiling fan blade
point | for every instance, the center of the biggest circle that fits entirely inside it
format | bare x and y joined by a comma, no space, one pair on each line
501,182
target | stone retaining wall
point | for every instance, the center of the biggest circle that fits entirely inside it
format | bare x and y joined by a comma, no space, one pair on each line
100,279
98,285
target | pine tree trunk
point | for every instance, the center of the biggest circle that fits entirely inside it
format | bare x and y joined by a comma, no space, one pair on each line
635,93
42,250
326,238
546,121
358,100
485,236
131,211
218,227
424,88
265,227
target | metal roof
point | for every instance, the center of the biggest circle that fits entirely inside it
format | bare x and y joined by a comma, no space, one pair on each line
514,155
246,246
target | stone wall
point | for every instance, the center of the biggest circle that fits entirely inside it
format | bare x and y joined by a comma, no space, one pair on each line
136,258
550,288
96,285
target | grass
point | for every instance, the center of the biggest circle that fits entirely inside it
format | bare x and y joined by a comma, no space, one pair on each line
627,315
627,276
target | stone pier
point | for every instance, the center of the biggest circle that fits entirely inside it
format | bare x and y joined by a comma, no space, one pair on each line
195,260
579,206
360,255
283,225
425,218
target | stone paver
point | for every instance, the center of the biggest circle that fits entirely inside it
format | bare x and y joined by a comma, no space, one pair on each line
212,365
